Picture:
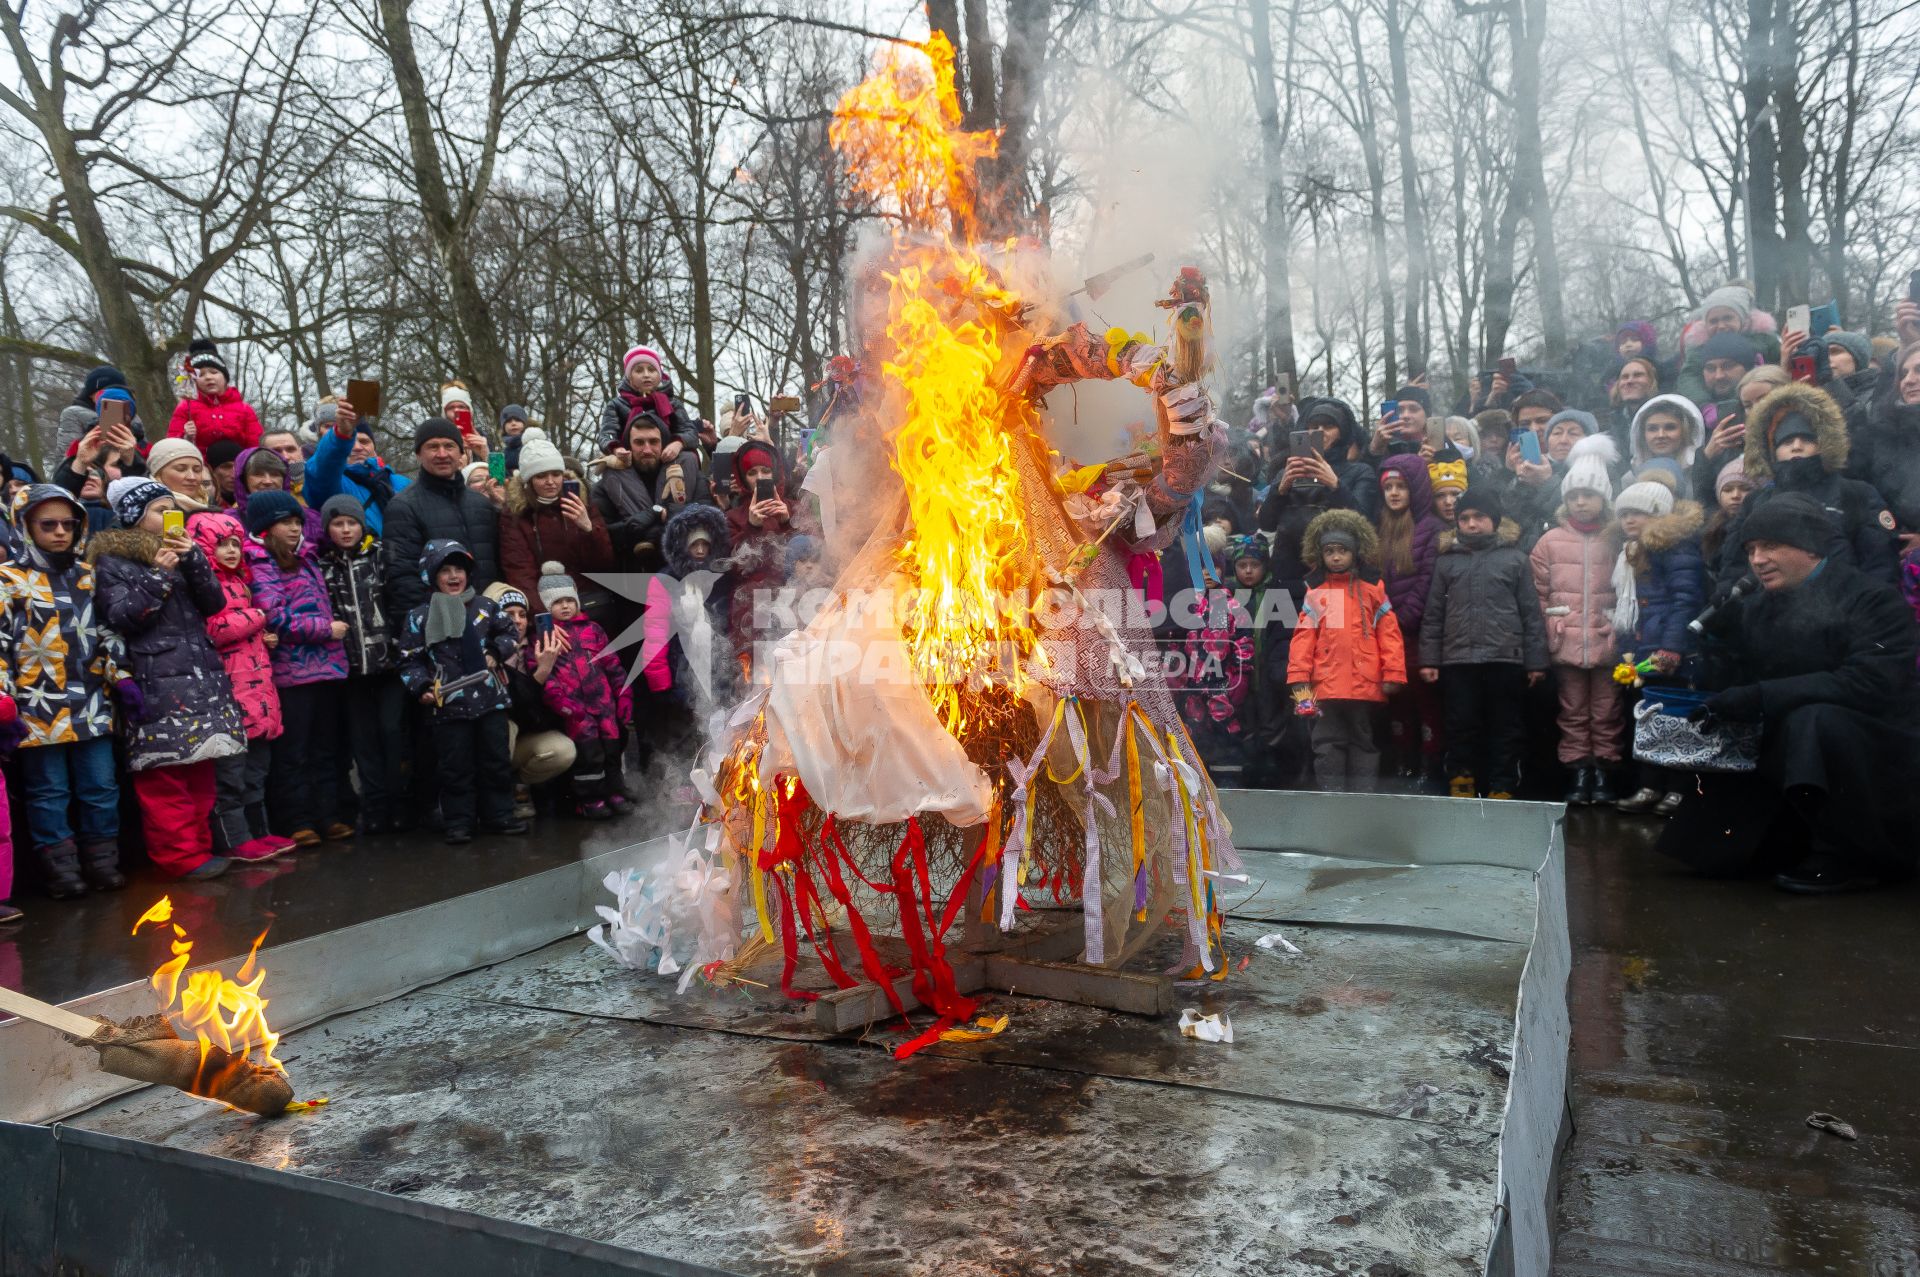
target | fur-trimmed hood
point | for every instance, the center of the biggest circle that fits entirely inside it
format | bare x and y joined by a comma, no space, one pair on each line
1508,533
1696,427
680,530
123,543
1829,426
1666,531
1366,542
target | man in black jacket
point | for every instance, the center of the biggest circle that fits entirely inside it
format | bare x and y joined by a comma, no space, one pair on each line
1823,658
438,505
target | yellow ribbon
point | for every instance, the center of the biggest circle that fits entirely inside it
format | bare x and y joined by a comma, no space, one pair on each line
753,865
987,1026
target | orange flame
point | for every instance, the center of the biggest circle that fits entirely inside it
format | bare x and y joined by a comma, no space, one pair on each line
899,134
211,1008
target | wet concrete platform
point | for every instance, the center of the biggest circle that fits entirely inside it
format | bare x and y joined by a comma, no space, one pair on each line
1352,1125
1709,1019
69,948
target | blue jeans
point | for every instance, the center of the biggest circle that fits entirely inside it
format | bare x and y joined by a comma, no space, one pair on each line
53,775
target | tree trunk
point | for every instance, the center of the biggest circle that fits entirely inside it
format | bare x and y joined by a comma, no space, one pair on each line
1276,237
476,338
1763,234
1529,18
1796,264
1413,207
1369,131
1020,67
981,112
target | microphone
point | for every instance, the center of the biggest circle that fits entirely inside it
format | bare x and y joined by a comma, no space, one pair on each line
1744,586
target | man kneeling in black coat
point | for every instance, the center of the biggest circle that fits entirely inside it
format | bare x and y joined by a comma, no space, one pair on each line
1823,659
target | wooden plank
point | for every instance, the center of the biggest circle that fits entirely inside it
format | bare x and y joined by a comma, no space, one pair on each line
844,1010
1087,986
50,1015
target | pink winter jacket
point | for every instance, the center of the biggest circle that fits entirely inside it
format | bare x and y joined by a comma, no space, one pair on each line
239,631
1573,573
225,416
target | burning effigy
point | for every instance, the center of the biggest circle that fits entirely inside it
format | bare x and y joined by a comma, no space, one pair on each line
975,726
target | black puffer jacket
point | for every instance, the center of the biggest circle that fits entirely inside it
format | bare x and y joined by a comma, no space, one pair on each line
435,509
1886,454
356,586
190,715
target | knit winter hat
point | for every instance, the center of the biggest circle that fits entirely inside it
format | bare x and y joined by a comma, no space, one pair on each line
1482,498
1662,470
264,509
435,428
202,353
1734,469
555,584
324,416
1586,421
472,468
1649,496
1589,466
130,497
1336,535
119,393
337,505
506,596
1735,346
168,451
98,379
647,353
1790,519
1855,344
453,394
1448,475
221,452
1246,547
538,455
1735,297
1418,394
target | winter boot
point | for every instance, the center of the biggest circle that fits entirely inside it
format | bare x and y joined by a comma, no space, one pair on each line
1580,792
1603,791
100,865
1460,787
10,915
60,865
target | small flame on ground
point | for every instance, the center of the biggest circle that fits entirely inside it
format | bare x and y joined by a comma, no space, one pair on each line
212,1009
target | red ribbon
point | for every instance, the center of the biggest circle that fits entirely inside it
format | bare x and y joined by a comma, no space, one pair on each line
1144,571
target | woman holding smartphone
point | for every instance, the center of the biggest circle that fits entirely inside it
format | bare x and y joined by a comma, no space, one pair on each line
549,519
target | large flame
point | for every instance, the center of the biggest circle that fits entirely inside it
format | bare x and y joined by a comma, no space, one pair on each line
968,551
211,1008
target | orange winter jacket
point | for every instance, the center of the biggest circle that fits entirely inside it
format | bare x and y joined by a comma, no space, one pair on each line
1348,641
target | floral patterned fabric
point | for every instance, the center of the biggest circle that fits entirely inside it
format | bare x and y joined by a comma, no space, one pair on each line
585,687
56,658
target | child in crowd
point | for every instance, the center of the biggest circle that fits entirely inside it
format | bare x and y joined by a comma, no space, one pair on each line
56,663
584,690
1216,668
541,749
1659,581
1730,491
448,650
1448,479
240,634
1270,756
1483,629
1347,654
157,590
1409,544
309,664
370,716
1573,575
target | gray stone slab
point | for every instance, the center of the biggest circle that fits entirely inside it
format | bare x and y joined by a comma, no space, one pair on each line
766,1156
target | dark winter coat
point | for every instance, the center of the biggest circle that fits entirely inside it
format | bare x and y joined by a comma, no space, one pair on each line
57,659
532,534
626,401
436,509
356,586
489,633
1408,590
190,715
1357,478
1669,580
632,504
1481,608
1886,454
1863,527
239,630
